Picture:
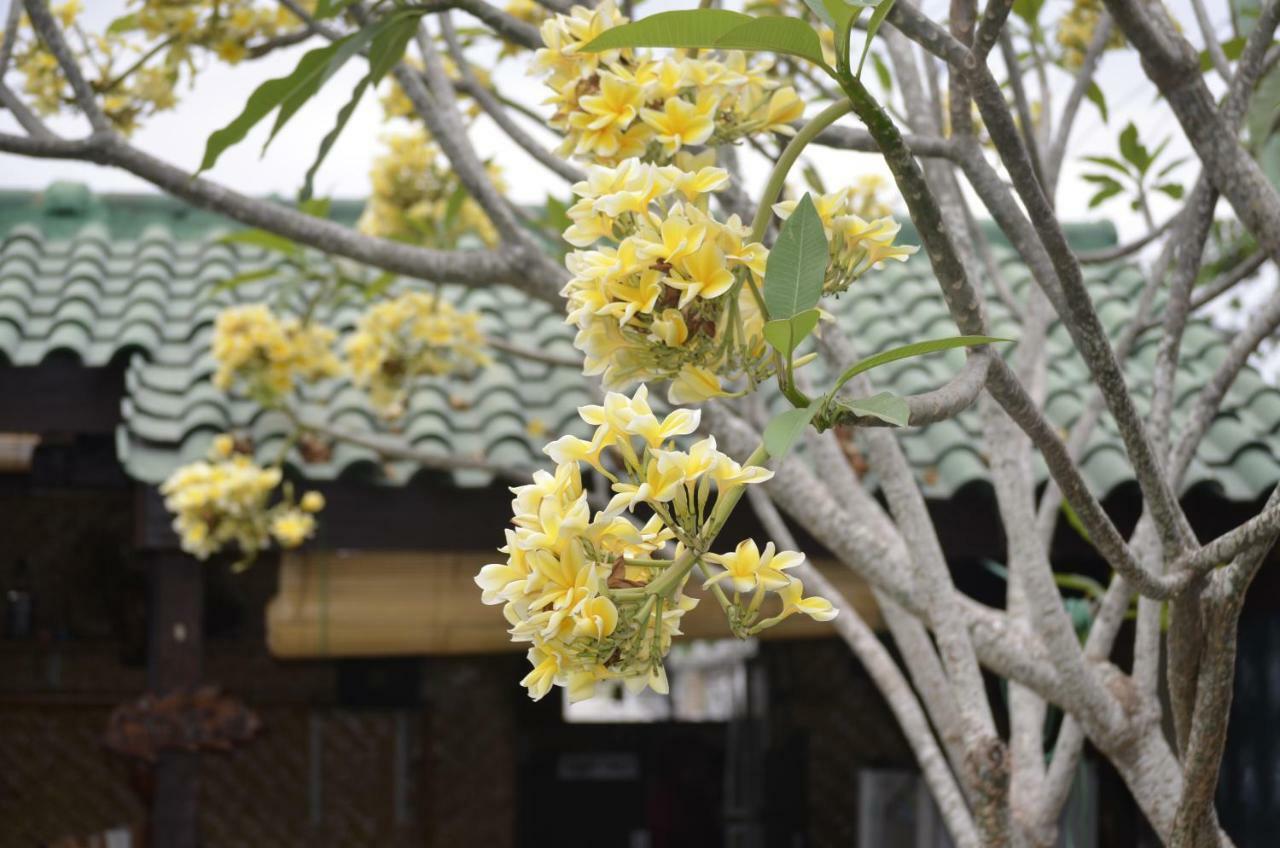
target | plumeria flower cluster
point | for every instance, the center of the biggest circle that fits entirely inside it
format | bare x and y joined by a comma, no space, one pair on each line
225,501
412,335
141,58
264,355
620,104
1075,32
857,245
416,197
600,595
660,296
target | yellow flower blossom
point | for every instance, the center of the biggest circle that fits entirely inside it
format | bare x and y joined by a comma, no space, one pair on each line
819,609
749,568
409,336
575,584
266,356
292,527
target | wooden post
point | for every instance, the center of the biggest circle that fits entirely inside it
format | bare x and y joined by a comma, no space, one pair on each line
175,655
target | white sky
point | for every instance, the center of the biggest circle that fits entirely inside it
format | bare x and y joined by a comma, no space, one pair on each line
220,91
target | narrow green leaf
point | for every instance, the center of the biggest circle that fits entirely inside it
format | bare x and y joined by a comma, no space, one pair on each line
1101,180
238,280
776,34
1097,98
785,334
884,406
309,86
379,284
330,8
910,350
316,207
1173,190
454,205
124,23
797,263
1164,171
783,431
688,28
821,11
264,99
883,8
882,72
1231,48
326,143
1108,162
1074,521
263,239
841,17
1104,195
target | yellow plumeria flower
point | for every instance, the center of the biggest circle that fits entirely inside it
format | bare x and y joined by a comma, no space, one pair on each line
694,385
292,528
681,123
747,568
819,609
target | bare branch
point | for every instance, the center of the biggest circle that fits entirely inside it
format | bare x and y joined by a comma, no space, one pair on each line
889,680
1080,87
1107,255
47,28
10,37
467,267
499,115
1211,45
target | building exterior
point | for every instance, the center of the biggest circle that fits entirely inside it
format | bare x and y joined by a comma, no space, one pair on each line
365,696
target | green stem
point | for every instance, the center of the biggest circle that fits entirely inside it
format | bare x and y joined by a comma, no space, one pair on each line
664,583
778,178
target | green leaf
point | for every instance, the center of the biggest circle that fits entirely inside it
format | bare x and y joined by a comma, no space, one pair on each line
885,406
797,263
785,334
124,23
908,351
1133,150
873,25
1074,521
841,17
1174,190
783,431
1028,10
688,28
326,143
882,72
267,97
287,94
1100,179
1231,48
819,9
330,8
263,239
238,280
316,207
379,284
1108,162
1104,194
777,34
1097,98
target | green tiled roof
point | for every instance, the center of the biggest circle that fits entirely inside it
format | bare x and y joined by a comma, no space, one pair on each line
113,276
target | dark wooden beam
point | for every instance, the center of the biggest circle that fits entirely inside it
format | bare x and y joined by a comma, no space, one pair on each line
175,659
61,396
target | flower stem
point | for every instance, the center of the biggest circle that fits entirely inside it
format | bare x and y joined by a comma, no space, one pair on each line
778,178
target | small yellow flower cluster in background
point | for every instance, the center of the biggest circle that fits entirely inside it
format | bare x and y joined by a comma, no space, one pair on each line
620,104
592,592
224,501
856,244
416,197
138,63
264,355
1075,32
664,300
412,335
